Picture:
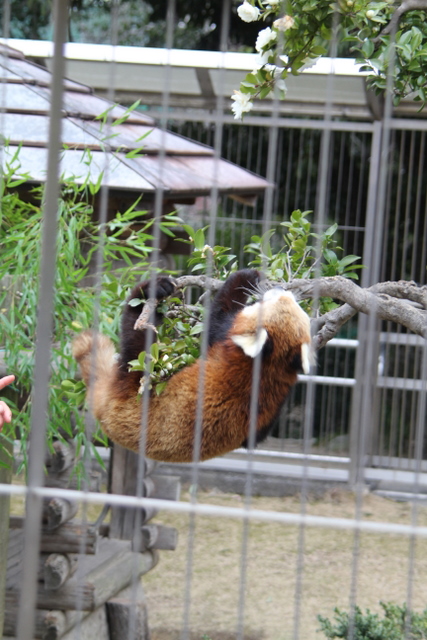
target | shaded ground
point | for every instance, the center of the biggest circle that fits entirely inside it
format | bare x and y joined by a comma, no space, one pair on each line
282,587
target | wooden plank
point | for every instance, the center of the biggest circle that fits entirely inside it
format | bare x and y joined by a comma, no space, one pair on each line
62,457
57,569
49,625
93,627
68,480
166,487
15,550
158,536
71,537
57,511
124,474
97,579
127,614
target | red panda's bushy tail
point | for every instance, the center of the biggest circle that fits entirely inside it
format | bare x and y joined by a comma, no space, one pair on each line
95,354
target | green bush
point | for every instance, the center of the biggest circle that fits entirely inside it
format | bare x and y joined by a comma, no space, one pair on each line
397,623
124,262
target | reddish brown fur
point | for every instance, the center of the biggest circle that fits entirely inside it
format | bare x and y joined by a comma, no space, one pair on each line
227,381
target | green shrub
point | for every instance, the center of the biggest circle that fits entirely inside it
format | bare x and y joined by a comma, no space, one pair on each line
397,623
124,261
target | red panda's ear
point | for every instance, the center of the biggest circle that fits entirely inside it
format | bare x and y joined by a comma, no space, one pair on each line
251,343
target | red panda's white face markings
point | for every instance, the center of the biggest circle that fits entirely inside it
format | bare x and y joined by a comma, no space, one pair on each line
277,316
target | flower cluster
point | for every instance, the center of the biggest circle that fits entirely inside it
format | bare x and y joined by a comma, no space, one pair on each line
300,32
242,104
267,75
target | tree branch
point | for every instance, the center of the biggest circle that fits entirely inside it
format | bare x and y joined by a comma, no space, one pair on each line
402,302
390,301
406,5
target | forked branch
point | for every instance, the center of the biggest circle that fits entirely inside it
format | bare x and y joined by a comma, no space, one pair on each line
401,302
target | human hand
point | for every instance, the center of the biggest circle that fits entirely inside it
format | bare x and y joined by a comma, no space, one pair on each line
5,412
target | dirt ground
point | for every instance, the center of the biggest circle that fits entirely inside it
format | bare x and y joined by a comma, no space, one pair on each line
283,590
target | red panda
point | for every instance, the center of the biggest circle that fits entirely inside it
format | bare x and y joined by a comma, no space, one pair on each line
275,327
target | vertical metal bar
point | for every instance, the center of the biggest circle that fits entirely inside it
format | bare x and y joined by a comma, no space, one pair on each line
218,139
419,446
357,427
44,329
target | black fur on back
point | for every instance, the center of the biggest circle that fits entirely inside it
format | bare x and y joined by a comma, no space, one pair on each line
229,300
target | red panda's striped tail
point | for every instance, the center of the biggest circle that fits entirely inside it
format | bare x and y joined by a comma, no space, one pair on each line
95,354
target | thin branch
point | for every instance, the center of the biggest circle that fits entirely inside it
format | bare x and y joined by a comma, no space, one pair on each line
407,5
327,326
377,299
143,320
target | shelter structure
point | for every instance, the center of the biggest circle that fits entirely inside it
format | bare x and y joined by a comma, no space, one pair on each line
201,80
142,158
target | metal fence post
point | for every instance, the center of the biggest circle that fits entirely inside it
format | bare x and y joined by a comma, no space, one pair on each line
362,424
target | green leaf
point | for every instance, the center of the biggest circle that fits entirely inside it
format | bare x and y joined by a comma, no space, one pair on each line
331,230
160,387
197,329
199,239
330,256
348,260
154,350
135,302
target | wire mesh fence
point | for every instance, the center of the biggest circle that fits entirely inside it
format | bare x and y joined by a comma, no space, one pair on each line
272,536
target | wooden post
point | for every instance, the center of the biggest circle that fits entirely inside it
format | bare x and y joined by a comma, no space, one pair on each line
6,457
125,521
127,614
123,480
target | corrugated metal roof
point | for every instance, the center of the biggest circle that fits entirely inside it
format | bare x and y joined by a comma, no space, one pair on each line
177,165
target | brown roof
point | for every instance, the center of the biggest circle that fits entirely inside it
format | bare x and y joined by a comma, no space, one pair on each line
177,165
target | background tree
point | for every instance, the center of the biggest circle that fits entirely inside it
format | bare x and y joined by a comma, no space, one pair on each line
387,38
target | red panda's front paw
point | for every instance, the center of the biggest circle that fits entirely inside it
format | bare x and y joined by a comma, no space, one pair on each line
164,287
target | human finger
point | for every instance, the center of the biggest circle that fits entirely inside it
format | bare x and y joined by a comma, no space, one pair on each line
6,380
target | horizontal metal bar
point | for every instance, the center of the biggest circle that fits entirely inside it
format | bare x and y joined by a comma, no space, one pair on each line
401,464
343,342
405,384
273,121
241,513
409,124
332,380
291,455
406,339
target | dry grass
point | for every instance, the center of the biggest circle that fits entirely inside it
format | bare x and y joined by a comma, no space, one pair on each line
273,594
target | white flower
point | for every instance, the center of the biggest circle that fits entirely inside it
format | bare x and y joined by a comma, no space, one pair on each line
284,23
272,4
247,12
264,38
280,85
242,104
